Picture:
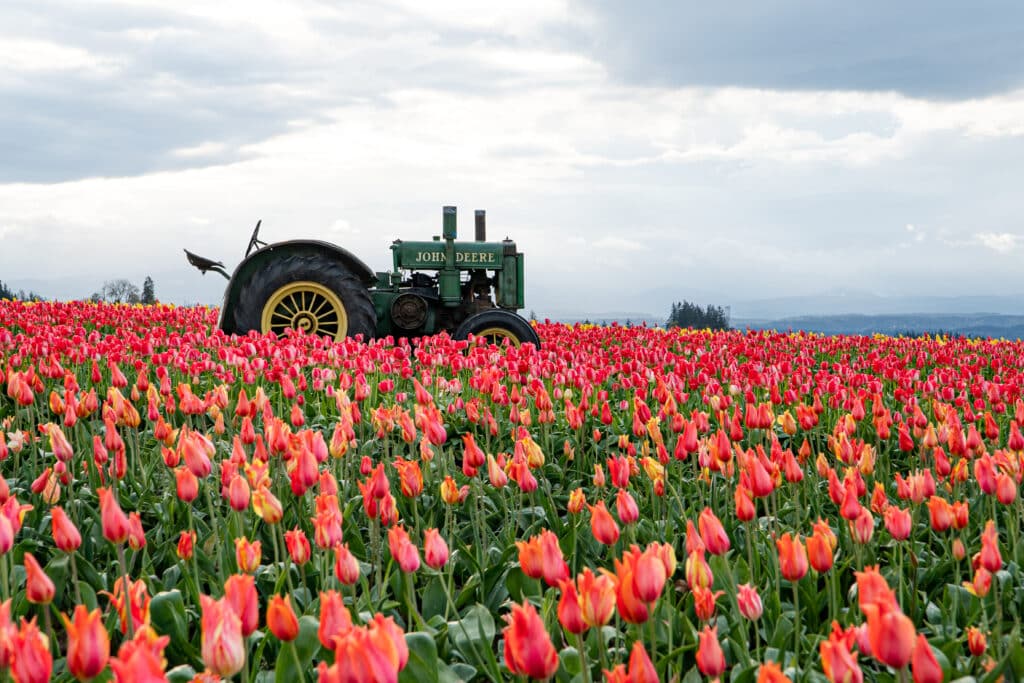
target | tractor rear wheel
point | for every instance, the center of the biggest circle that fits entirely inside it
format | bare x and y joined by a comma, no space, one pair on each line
308,292
498,325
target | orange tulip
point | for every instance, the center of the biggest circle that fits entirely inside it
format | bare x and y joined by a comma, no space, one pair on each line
31,661
872,587
977,643
65,533
141,660
792,557
131,602
819,553
838,663
602,525
577,500
240,593
941,513
531,557
281,618
528,648
596,596
267,506
710,659
626,507
890,632
770,672
248,555
39,589
704,601
744,501
641,668
88,643
386,636
223,649
187,484
297,543
115,523
186,544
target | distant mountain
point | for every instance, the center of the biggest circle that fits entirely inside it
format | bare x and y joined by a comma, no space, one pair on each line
969,325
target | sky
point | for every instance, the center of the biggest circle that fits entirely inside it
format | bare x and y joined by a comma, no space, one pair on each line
637,152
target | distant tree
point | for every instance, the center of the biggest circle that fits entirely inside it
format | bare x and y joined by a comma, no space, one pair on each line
20,295
148,296
120,291
533,314
687,314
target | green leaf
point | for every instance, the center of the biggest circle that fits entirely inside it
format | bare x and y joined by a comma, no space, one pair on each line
423,662
473,635
463,672
181,674
167,614
302,649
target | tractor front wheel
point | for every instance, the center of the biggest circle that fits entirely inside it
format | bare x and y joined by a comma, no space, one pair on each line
498,325
307,292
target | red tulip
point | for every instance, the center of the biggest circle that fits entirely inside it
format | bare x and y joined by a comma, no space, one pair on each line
604,528
31,661
641,668
402,549
977,643
334,618
991,559
435,550
528,648
116,527
553,566
298,546
240,594
39,589
890,632
710,659
569,613
65,533
712,533
923,665
223,649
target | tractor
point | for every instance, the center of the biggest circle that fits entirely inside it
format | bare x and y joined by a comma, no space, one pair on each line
463,288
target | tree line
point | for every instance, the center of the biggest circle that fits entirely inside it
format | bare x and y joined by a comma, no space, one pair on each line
687,314
119,291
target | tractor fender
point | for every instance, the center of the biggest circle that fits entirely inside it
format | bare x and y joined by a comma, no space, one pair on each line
258,259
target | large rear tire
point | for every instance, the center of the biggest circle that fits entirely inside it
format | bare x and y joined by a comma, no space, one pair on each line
311,292
498,325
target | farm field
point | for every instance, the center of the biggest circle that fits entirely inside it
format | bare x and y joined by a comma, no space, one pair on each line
619,504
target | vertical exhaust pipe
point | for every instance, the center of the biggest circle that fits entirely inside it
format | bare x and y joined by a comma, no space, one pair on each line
481,225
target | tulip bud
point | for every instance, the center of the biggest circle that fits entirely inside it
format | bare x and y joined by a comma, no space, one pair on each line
281,618
749,601
186,543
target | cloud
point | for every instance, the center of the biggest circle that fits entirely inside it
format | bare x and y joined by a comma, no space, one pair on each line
619,244
1002,242
921,48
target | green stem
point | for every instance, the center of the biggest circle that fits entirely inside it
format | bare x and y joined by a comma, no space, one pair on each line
584,664
796,625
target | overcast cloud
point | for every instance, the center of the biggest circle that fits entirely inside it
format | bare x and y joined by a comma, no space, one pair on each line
681,149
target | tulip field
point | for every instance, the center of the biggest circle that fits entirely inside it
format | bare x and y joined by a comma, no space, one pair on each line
621,504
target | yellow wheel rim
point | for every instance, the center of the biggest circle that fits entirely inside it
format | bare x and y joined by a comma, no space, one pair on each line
494,335
306,306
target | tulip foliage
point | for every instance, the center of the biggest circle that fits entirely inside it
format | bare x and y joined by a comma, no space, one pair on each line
621,504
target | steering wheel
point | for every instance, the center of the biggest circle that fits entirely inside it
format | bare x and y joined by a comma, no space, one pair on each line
254,241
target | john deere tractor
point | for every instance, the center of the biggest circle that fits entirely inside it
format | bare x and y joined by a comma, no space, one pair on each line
462,288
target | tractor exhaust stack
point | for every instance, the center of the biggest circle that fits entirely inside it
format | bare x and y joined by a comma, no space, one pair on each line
481,225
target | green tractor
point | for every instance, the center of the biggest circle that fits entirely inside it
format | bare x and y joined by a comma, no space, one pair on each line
463,288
